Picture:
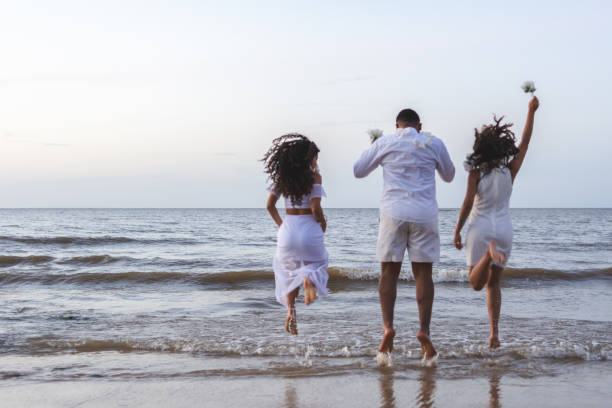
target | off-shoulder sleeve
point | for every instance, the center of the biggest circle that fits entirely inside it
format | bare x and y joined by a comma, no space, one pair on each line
273,189
317,191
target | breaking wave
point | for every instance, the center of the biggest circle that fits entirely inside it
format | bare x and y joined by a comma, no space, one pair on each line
101,240
246,276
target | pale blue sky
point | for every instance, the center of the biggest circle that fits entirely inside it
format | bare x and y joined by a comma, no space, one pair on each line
171,104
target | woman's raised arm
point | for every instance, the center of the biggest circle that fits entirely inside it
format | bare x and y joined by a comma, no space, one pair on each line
517,162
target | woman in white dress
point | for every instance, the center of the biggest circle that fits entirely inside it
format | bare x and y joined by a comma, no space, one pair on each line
493,167
301,257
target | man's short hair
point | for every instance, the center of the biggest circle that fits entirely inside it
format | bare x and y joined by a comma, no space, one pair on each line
408,116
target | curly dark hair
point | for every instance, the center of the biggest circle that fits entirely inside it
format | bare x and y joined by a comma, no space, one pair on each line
288,165
494,145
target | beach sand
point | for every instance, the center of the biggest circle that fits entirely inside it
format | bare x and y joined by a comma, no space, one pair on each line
584,386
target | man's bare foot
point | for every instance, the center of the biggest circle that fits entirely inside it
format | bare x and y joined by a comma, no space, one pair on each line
496,256
426,345
310,294
291,322
386,346
494,342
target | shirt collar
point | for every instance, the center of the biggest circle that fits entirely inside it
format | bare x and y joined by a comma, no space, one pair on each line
409,131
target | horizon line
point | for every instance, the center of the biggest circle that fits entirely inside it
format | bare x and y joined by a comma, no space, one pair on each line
280,208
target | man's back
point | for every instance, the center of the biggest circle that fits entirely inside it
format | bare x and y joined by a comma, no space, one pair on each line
409,160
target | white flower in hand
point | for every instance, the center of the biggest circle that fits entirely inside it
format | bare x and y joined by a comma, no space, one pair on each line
529,87
374,134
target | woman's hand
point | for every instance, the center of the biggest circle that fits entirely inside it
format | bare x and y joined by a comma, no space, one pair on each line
324,223
534,104
457,240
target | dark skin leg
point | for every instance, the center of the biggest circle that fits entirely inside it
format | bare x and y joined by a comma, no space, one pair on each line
485,273
424,295
479,273
387,290
291,320
494,300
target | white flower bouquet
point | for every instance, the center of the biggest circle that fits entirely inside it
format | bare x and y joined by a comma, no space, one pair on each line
374,134
529,87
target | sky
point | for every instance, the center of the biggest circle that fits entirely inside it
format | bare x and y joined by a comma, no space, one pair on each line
173,103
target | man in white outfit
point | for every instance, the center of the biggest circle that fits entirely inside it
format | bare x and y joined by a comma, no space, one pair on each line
408,216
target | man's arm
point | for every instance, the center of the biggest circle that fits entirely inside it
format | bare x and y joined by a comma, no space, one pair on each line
445,166
369,160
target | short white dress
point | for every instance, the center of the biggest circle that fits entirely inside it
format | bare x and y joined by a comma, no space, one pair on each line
490,217
300,249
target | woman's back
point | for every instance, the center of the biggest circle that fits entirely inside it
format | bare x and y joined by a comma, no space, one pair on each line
315,192
493,197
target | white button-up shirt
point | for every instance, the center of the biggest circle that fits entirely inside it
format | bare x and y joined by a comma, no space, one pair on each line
409,160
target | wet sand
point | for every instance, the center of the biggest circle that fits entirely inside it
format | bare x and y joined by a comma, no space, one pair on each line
583,385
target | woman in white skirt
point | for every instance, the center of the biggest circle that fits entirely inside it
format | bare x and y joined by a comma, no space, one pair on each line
301,257
493,167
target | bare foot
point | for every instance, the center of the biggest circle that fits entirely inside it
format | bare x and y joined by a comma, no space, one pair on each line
291,322
386,346
426,345
384,359
496,256
310,294
494,342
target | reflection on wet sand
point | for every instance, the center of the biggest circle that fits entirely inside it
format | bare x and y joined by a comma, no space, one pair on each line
494,391
291,399
425,393
387,397
425,397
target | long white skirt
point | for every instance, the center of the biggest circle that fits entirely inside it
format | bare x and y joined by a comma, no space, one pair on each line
300,254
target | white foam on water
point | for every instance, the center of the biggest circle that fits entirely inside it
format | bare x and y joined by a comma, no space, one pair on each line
306,361
384,359
430,362
438,275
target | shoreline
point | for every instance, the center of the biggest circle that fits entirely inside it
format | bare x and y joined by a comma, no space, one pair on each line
585,385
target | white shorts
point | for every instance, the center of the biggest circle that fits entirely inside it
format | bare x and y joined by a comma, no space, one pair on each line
395,236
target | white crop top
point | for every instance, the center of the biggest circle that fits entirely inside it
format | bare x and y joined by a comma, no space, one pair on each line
316,192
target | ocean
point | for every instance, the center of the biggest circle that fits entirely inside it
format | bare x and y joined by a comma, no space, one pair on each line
150,307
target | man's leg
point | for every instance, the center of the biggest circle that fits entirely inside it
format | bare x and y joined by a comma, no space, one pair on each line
424,296
387,290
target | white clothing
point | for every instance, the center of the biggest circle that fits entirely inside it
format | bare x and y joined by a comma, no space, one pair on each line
409,160
394,236
300,250
316,192
490,217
